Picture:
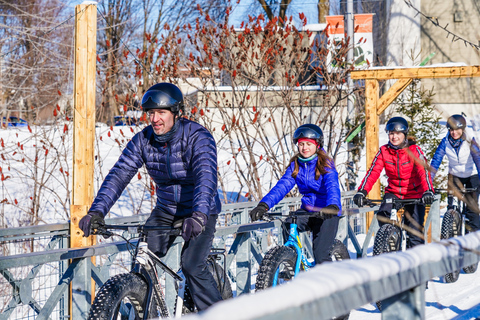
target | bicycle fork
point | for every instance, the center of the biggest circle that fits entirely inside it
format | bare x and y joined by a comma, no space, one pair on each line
394,217
145,265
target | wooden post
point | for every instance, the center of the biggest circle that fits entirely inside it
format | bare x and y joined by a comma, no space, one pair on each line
83,118
371,134
83,143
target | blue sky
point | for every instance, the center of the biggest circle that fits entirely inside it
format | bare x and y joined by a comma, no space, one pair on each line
241,11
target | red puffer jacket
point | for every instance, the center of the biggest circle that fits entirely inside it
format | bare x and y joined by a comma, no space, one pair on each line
408,178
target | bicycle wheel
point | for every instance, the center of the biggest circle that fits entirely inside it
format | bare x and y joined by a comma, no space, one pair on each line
339,251
388,239
277,267
451,227
223,285
122,297
221,278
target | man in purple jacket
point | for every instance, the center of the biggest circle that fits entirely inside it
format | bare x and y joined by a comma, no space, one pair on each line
181,157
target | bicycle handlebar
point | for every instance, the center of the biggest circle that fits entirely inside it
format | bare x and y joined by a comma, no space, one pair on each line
136,228
319,214
450,191
393,200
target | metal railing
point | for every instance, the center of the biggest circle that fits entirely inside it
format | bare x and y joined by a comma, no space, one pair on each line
21,286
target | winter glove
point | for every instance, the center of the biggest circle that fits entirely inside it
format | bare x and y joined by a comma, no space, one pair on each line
360,198
259,211
428,197
92,220
330,211
194,225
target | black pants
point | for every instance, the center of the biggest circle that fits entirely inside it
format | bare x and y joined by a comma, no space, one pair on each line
323,232
193,258
471,199
414,217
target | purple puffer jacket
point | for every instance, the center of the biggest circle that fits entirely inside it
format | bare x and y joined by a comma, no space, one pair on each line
184,170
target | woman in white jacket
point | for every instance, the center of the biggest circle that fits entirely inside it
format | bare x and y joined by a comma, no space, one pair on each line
463,154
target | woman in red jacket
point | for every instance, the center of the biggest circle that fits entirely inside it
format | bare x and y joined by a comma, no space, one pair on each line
408,178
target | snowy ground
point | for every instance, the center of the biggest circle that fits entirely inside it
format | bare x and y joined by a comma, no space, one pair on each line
459,300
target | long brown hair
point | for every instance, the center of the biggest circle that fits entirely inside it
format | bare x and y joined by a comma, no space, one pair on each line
323,162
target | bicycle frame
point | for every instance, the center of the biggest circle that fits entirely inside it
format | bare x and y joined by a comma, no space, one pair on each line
145,262
295,243
394,215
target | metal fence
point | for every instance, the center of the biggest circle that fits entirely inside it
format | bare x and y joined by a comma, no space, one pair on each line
36,277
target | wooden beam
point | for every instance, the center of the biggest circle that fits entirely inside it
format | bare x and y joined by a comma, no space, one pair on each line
83,119
417,73
371,134
392,93
83,145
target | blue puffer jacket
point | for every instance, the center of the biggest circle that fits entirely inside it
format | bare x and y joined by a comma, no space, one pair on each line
184,171
316,193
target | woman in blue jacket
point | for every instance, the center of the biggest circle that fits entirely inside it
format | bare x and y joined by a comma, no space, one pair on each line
313,171
463,156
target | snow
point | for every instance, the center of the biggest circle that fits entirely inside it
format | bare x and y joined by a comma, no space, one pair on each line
436,65
459,300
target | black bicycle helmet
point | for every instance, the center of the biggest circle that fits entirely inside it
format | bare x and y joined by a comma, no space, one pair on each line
163,96
397,124
457,121
309,131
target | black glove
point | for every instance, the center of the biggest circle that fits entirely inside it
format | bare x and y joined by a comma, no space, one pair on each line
259,211
194,225
428,197
330,211
92,220
360,198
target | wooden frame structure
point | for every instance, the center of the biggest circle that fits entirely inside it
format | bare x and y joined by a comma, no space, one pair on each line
375,105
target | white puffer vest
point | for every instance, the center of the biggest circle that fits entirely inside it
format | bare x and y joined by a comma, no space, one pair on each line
460,165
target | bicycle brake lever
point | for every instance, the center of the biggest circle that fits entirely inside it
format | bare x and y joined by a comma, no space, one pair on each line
266,217
103,232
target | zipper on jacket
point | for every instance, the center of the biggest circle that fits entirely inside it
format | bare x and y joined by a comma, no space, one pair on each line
175,186
399,175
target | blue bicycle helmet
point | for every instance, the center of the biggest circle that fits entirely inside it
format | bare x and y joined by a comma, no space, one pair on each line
163,96
397,124
309,131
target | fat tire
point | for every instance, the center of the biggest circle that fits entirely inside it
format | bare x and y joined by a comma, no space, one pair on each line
339,251
109,298
471,269
221,278
274,258
388,239
451,227
222,281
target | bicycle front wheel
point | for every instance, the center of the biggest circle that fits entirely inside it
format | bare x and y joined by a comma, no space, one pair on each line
388,239
123,297
277,267
451,227
339,251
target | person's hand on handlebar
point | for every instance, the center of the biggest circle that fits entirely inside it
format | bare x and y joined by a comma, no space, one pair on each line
259,212
360,198
428,197
330,211
91,221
